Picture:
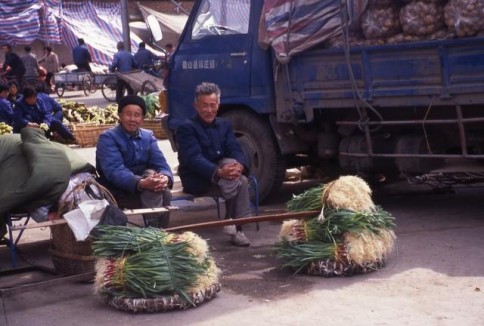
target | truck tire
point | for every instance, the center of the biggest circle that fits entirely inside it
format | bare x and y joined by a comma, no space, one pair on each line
258,143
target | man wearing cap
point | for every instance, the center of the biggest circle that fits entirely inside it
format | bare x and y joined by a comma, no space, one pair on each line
131,165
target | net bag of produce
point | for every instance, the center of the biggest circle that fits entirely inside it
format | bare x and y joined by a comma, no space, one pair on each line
380,22
465,17
421,18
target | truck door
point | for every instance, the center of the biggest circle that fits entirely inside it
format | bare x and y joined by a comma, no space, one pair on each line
215,47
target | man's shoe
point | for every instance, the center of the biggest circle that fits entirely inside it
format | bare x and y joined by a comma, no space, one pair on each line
240,240
230,230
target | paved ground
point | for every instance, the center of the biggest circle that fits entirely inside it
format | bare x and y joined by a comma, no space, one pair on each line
434,277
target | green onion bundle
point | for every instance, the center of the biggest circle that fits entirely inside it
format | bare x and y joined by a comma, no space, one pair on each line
119,240
353,235
149,263
307,201
300,255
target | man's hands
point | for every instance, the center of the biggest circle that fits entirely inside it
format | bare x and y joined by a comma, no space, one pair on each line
155,182
231,171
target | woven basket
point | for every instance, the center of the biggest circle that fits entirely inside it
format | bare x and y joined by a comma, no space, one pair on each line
332,268
155,126
162,303
87,134
70,256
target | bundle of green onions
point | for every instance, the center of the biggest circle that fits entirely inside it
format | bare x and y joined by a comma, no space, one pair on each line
353,236
149,263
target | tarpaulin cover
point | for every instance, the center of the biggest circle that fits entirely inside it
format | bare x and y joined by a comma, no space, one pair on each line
292,26
175,23
99,24
57,21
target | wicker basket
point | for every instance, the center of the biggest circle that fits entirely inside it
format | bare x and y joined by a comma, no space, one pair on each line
161,303
87,133
70,256
155,126
332,268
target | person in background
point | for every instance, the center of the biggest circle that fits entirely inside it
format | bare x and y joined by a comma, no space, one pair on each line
145,59
30,112
13,66
212,160
123,61
169,51
51,65
6,107
131,165
49,103
81,56
31,66
13,91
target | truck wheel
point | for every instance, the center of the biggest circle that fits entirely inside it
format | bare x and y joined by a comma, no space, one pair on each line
255,137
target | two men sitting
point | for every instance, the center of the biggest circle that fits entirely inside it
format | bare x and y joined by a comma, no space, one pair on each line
212,162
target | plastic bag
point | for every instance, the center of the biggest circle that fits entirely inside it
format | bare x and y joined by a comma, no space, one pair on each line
83,219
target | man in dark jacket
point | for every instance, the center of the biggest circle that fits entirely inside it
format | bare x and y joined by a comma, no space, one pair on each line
123,61
31,66
211,159
145,59
81,56
131,164
13,65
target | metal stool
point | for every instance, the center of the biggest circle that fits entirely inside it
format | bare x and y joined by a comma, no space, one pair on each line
13,241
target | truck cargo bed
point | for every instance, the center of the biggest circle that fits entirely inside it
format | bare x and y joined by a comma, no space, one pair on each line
446,72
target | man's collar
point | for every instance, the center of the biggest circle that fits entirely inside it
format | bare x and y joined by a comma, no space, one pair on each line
212,124
136,135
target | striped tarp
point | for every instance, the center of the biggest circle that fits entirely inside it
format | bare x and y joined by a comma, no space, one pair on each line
57,21
292,26
19,21
98,23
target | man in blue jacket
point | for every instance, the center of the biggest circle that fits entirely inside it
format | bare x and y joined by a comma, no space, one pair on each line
30,112
6,108
123,61
81,56
211,159
131,164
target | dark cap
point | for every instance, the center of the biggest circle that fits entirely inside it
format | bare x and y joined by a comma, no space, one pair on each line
3,86
132,99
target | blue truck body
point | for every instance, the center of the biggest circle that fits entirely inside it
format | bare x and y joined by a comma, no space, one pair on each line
400,109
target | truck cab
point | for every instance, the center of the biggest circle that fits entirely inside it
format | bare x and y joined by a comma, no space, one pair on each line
219,44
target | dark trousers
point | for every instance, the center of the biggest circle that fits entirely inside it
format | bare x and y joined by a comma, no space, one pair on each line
121,86
83,67
61,129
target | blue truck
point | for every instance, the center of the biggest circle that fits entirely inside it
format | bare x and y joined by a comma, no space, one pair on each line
382,111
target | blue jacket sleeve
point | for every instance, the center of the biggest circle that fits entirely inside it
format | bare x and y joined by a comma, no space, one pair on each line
190,150
56,107
233,148
115,63
158,161
18,116
108,156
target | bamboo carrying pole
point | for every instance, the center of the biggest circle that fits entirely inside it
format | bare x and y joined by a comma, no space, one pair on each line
246,220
